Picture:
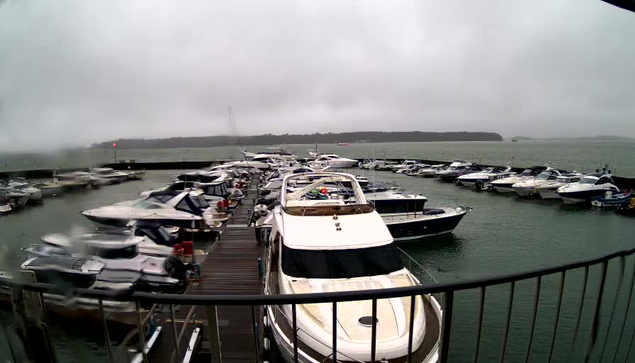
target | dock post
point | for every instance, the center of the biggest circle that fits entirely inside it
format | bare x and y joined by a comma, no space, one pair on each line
214,334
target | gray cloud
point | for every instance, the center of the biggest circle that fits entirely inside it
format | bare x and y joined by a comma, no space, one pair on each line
77,72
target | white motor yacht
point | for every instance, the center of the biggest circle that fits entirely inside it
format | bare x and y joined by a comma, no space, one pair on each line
406,164
115,176
80,180
49,189
431,171
4,208
35,194
456,169
505,185
107,240
75,272
333,161
589,186
353,250
549,189
275,151
529,187
487,175
248,164
180,210
407,218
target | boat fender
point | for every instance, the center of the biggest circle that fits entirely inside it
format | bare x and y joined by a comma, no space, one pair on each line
266,344
265,321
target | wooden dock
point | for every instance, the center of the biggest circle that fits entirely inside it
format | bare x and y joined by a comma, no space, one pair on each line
230,268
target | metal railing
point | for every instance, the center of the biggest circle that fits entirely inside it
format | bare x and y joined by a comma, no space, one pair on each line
597,308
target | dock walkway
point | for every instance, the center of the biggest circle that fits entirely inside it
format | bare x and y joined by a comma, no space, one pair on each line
230,268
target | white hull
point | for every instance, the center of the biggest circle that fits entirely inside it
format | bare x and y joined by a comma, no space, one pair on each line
503,189
525,192
548,193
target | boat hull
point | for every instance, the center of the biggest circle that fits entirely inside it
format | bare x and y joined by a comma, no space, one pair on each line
548,193
525,192
503,188
581,197
404,228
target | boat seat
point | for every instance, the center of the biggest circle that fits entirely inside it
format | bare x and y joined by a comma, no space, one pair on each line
433,211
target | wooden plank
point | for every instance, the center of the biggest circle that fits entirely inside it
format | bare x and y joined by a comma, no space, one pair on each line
231,268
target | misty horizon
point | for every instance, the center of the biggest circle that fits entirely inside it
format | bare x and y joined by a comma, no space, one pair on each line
76,73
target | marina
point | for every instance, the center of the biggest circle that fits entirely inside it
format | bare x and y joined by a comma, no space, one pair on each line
298,182
234,264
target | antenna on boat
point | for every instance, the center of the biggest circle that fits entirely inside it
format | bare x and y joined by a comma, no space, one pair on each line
232,124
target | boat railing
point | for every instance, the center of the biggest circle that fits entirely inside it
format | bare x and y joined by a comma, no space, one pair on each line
417,269
573,312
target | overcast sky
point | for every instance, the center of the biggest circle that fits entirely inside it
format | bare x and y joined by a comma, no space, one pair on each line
77,72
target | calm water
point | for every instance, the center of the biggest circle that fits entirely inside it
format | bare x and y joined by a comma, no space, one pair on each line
503,234
572,155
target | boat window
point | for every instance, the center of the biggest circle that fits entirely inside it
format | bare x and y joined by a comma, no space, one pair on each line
337,264
148,205
199,201
111,254
160,198
603,180
587,180
185,207
398,206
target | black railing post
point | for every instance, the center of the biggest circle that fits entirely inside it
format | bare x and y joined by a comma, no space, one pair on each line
140,331
175,333
254,329
104,326
448,302
295,333
509,318
558,307
533,318
481,305
580,308
617,295
373,332
214,334
334,331
595,325
411,326
628,305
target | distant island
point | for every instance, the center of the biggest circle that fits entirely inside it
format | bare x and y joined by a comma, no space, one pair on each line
326,138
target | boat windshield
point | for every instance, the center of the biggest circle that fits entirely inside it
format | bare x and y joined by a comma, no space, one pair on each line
149,205
544,175
588,180
527,172
341,264
113,253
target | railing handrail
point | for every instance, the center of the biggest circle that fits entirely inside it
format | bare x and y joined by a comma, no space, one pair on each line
311,298
412,260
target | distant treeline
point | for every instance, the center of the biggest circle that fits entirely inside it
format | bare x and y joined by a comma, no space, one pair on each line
269,139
